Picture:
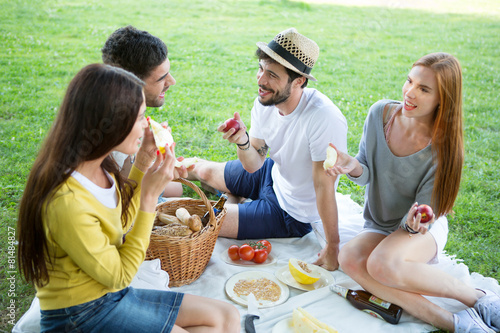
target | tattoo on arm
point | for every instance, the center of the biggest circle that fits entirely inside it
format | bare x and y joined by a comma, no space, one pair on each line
263,150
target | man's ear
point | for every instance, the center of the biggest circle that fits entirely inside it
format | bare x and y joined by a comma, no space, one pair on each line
299,81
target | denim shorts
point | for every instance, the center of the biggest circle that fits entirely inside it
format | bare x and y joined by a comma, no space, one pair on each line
128,310
262,217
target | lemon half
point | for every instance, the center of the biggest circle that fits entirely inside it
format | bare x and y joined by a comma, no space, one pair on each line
303,272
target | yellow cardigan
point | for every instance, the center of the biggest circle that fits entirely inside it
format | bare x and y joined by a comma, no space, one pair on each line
84,239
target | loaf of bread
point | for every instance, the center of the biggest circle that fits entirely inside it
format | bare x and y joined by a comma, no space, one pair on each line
177,230
166,219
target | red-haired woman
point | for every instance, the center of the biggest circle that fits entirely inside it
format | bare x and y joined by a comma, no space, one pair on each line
412,152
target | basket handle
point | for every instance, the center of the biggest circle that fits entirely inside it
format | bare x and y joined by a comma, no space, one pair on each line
201,195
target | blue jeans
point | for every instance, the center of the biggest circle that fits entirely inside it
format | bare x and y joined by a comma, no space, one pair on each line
262,217
128,310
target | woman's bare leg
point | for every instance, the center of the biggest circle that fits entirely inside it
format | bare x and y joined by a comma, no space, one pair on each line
201,314
394,268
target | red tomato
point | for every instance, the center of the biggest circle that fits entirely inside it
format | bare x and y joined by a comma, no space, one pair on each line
246,252
267,244
233,252
260,256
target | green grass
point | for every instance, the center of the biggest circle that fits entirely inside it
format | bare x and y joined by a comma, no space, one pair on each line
365,55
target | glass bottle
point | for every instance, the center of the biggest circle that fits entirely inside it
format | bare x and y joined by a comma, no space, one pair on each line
369,303
217,207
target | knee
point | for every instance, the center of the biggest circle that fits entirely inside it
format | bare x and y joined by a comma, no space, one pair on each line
202,173
206,170
384,268
351,261
231,319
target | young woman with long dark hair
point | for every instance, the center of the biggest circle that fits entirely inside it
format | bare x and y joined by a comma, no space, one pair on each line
84,231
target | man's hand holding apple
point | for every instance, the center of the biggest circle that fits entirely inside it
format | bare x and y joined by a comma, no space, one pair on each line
234,130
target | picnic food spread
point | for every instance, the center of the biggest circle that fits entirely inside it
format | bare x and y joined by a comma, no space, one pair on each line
267,290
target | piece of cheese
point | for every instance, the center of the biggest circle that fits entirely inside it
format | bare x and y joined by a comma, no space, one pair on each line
162,135
331,158
304,322
187,162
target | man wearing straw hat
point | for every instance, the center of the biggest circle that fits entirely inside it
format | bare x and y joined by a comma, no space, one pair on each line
289,190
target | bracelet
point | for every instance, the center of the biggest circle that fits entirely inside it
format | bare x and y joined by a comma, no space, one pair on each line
410,230
244,144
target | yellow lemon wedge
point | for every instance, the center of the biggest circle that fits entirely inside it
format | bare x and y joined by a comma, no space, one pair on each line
162,135
331,157
303,272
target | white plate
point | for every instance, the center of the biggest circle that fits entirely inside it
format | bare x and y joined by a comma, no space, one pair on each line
326,279
283,326
250,275
225,257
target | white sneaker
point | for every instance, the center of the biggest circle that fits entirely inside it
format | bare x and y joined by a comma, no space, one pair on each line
469,321
488,308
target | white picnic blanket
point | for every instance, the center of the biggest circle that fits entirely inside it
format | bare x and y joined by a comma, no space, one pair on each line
322,303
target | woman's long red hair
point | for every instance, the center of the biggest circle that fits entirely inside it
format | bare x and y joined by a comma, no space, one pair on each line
447,134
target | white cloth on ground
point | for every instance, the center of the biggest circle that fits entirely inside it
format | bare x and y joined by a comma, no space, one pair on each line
321,303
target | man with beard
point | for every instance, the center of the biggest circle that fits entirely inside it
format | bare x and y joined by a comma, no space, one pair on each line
288,190
144,55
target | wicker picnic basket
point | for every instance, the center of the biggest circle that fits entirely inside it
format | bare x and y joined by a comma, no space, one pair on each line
185,258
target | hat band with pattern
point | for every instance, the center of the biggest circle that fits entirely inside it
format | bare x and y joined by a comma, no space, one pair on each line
285,54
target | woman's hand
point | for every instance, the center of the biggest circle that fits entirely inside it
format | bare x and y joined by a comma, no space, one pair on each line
157,177
147,152
413,220
178,171
344,164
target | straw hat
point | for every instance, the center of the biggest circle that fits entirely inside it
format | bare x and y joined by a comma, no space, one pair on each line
293,50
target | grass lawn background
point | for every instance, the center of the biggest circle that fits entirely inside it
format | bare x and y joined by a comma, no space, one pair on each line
366,53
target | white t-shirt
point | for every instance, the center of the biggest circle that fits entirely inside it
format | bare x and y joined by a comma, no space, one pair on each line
295,141
107,196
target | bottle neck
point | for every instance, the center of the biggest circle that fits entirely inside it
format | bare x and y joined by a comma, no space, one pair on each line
341,291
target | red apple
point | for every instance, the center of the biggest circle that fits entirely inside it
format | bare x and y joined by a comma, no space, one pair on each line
426,213
232,123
